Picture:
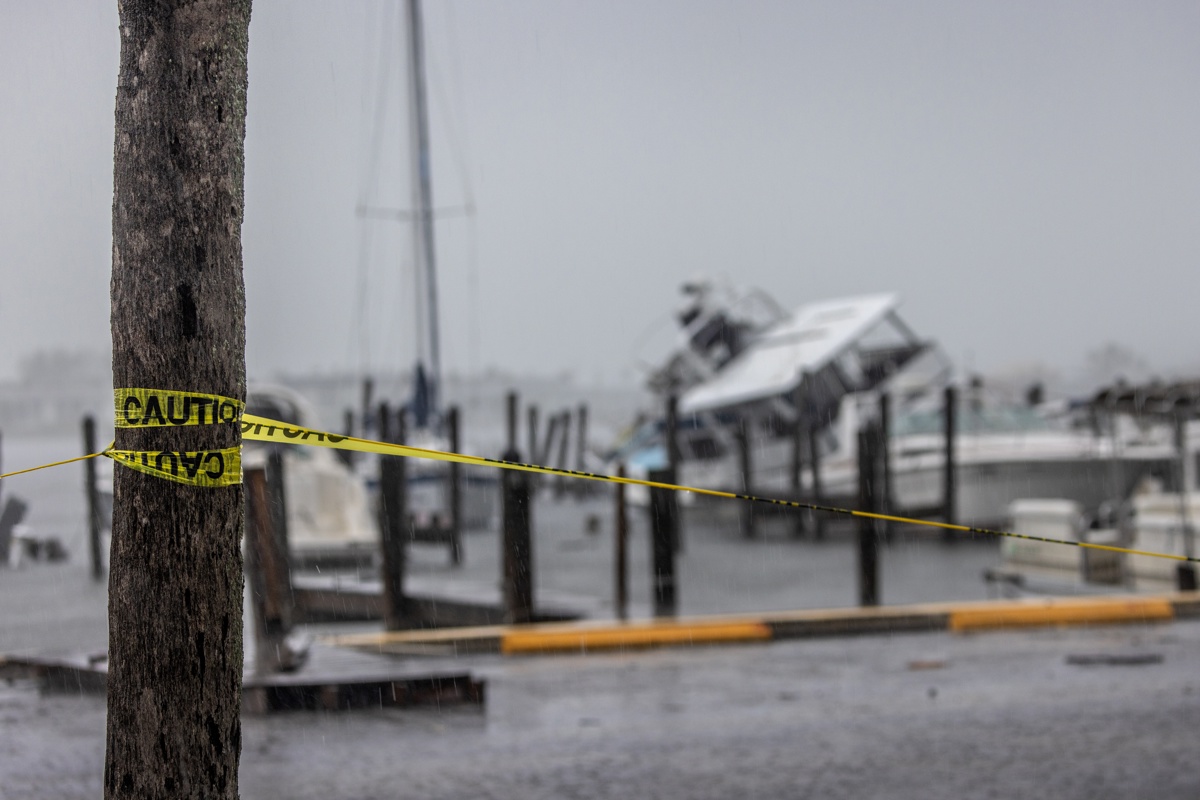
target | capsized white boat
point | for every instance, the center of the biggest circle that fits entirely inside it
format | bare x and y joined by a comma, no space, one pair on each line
828,363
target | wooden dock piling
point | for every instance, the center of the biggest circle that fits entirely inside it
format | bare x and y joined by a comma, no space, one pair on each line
92,496
868,499
663,519
582,488
564,445
797,465
532,423
746,468
393,519
814,450
268,570
950,468
884,495
516,513
455,487
621,557
674,457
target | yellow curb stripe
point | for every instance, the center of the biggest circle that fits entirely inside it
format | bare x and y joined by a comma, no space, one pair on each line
1063,612
587,639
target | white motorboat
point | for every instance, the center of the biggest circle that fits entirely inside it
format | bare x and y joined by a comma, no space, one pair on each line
330,519
1161,515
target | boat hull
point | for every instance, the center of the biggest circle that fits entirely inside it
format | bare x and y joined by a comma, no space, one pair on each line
989,476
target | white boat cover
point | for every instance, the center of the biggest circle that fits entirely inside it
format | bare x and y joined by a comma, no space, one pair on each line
815,335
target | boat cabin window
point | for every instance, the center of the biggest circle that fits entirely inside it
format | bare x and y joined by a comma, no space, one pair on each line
1016,419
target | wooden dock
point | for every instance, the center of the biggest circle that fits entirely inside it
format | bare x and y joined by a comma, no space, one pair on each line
332,679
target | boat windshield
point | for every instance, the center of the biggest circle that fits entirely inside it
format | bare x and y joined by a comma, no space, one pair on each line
1011,419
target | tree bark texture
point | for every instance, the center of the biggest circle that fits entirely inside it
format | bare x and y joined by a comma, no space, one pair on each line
178,323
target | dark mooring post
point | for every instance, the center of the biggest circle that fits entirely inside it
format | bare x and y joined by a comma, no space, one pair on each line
746,468
280,548
531,414
564,444
268,570
814,451
543,456
868,498
620,559
798,429
92,495
884,495
950,473
277,566
511,401
1185,572
673,459
267,635
393,519
582,487
662,536
455,493
515,512
368,409
347,456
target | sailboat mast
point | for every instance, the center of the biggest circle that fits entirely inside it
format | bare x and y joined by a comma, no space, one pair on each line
426,266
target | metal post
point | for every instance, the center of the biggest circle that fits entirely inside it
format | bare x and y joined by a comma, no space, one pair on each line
868,486
455,478
950,472
92,494
621,574
393,521
662,535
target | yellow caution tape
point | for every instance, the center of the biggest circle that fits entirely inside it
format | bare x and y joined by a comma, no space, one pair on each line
209,468
261,429
14,473
256,428
157,408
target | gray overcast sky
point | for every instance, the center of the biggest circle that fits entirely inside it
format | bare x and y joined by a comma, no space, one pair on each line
1026,175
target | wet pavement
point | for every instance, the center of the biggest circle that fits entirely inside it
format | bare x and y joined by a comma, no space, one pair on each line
912,716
